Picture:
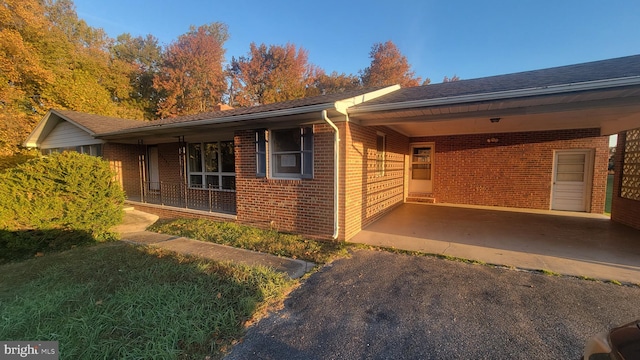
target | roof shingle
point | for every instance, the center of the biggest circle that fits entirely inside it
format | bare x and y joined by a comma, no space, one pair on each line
592,71
98,123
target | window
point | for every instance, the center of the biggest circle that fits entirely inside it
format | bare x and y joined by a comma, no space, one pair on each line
291,153
93,150
380,153
261,153
212,165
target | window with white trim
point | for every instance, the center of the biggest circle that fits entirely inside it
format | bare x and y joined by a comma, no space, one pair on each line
212,165
290,153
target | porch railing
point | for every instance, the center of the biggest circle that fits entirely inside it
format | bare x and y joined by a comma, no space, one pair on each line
183,196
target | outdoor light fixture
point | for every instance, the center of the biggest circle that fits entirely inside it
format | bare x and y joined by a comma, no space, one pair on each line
492,140
495,120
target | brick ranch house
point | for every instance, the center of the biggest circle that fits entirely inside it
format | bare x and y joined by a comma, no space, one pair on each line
328,166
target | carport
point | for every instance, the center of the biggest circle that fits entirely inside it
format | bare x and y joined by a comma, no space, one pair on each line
570,243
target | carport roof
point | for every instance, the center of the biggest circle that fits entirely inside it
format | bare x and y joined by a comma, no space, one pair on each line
597,71
601,94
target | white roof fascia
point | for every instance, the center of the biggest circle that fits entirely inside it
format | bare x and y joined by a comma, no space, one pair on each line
32,140
342,105
498,95
35,138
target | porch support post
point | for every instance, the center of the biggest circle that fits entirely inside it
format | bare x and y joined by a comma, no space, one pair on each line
182,154
141,168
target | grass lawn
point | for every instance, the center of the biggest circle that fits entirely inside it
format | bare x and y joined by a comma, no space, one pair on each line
607,202
118,301
247,237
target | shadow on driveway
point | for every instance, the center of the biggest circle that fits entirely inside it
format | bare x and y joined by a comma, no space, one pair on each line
379,305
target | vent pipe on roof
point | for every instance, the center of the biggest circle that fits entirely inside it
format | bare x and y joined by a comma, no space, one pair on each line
336,177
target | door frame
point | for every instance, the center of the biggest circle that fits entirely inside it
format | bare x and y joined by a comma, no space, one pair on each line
408,161
589,171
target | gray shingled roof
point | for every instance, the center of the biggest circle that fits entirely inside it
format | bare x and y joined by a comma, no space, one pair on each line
291,104
570,74
98,123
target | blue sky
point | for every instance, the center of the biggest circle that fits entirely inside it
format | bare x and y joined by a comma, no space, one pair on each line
468,38
439,38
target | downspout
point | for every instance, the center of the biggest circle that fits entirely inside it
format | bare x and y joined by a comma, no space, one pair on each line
336,177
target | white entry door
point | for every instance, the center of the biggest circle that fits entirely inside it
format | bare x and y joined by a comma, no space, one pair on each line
421,169
571,180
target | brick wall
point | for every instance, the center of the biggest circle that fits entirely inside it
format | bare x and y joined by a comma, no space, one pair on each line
301,206
624,211
368,195
124,158
514,172
169,163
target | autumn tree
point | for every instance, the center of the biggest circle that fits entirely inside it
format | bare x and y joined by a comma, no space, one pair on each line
270,74
49,58
22,75
334,83
450,79
144,56
87,77
191,77
388,67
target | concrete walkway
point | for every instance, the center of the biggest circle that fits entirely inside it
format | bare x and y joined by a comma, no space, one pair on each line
566,243
133,230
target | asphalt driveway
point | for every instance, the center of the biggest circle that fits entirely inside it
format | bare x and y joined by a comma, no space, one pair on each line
379,305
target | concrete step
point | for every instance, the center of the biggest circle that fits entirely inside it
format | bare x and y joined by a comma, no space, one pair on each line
423,200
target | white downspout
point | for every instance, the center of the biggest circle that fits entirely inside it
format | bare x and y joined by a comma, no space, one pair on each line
336,177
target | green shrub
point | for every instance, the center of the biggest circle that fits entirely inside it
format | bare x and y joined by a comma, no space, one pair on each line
66,193
7,162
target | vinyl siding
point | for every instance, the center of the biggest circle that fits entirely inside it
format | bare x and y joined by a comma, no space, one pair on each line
66,134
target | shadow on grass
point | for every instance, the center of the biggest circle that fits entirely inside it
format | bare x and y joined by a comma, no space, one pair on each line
117,300
24,244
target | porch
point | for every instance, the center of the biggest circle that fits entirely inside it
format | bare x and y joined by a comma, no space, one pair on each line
180,195
578,244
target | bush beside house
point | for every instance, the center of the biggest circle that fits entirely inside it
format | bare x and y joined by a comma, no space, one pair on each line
56,202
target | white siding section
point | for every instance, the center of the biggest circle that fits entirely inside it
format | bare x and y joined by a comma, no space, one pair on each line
66,134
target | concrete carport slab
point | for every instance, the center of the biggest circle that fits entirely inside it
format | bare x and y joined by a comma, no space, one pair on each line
577,244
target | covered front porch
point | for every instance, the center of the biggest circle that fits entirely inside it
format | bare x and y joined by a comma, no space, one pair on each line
578,244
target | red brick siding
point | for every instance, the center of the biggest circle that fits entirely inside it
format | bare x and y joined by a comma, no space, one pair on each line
301,206
515,172
124,158
169,163
367,194
624,211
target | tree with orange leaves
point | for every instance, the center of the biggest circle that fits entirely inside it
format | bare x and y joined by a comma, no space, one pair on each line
270,74
191,78
388,67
